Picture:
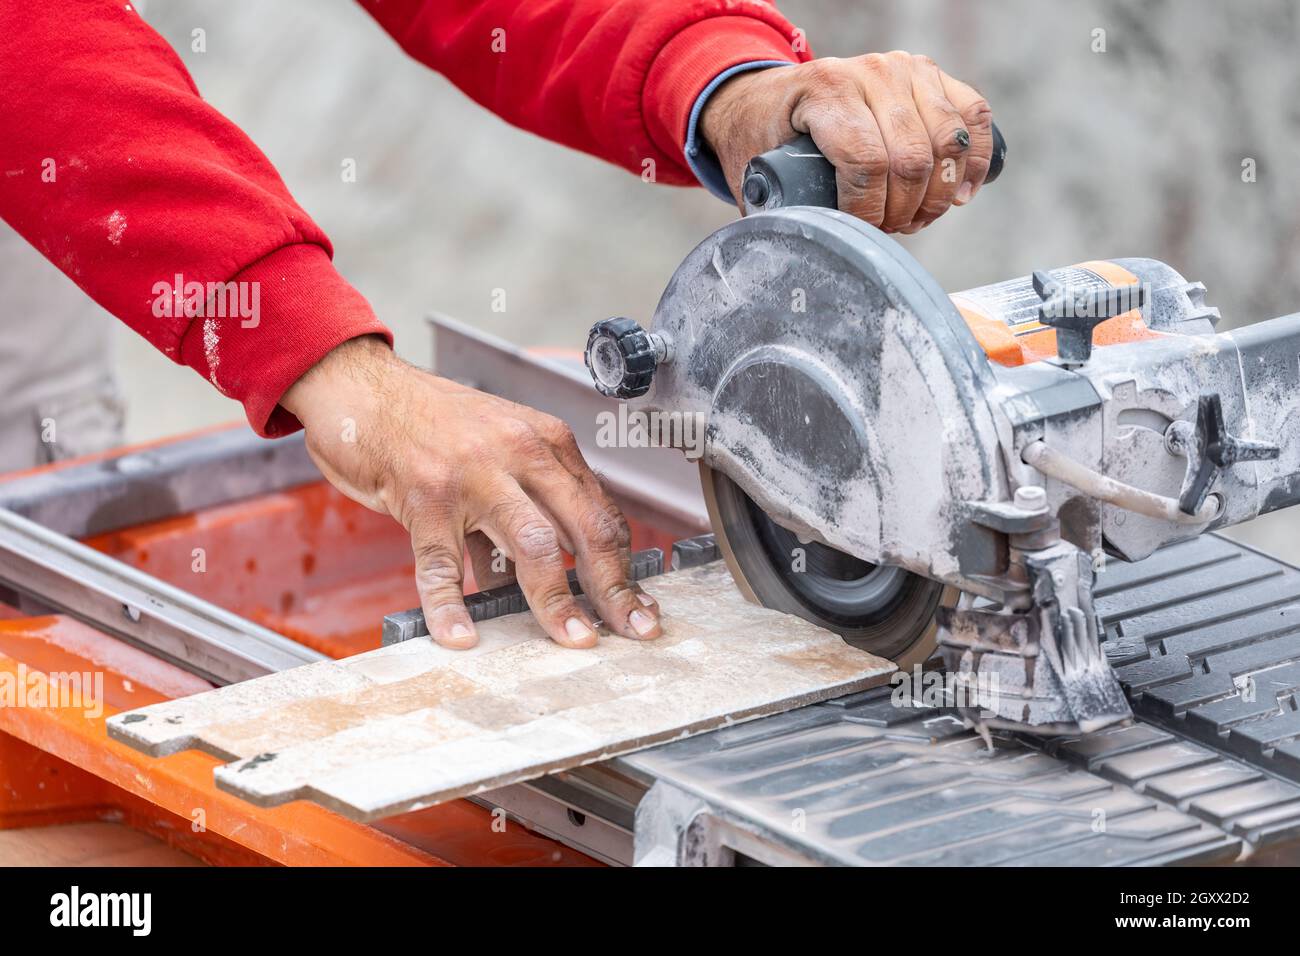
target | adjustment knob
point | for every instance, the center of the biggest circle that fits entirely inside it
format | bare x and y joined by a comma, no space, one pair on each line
1075,312
622,357
1209,448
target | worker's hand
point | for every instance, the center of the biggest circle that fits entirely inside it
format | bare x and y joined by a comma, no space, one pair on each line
452,463
906,139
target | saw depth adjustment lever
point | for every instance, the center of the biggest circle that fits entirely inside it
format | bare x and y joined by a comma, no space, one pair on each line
797,174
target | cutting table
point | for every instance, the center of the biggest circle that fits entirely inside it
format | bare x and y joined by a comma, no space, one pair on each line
1203,636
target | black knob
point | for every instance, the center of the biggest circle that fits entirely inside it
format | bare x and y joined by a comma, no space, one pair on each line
1074,311
621,357
1214,448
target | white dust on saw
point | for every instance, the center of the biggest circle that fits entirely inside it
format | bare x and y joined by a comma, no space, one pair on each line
415,724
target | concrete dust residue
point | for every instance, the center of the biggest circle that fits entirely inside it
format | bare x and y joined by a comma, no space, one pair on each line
116,223
211,342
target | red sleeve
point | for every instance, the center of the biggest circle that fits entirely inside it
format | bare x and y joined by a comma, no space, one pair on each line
615,78
114,168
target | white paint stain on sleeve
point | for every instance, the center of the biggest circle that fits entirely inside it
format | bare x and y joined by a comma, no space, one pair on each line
211,343
116,223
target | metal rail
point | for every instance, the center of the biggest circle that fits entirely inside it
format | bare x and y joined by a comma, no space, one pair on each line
140,609
161,481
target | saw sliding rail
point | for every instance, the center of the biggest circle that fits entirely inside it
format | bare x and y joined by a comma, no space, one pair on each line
71,578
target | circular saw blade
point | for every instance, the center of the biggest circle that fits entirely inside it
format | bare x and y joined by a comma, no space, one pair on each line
885,610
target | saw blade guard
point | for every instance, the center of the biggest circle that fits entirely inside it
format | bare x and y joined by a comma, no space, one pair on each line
839,387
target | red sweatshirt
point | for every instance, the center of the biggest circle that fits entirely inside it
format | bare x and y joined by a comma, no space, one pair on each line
117,171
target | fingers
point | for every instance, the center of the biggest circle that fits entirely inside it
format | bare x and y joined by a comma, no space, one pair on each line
949,141
907,141
604,566
647,601
456,483
533,503
600,538
524,534
439,548
887,89
492,568
833,111
846,132
978,118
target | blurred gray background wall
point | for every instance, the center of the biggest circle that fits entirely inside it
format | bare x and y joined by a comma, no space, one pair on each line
1137,150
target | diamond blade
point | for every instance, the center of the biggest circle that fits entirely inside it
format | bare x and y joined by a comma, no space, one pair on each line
885,610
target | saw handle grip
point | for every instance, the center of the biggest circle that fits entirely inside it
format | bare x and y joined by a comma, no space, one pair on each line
797,174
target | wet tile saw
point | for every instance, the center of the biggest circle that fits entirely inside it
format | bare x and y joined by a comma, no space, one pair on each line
912,469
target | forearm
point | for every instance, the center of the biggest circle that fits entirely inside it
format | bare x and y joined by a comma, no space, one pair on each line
614,78
120,174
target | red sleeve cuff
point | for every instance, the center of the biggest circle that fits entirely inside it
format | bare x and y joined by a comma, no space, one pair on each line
258,333
688,62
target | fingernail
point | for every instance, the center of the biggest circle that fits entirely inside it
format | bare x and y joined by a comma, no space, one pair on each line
642,623
962,139
645,599
964,192
460,636
578,629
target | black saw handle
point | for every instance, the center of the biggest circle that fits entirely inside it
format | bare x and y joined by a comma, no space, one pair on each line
797,174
